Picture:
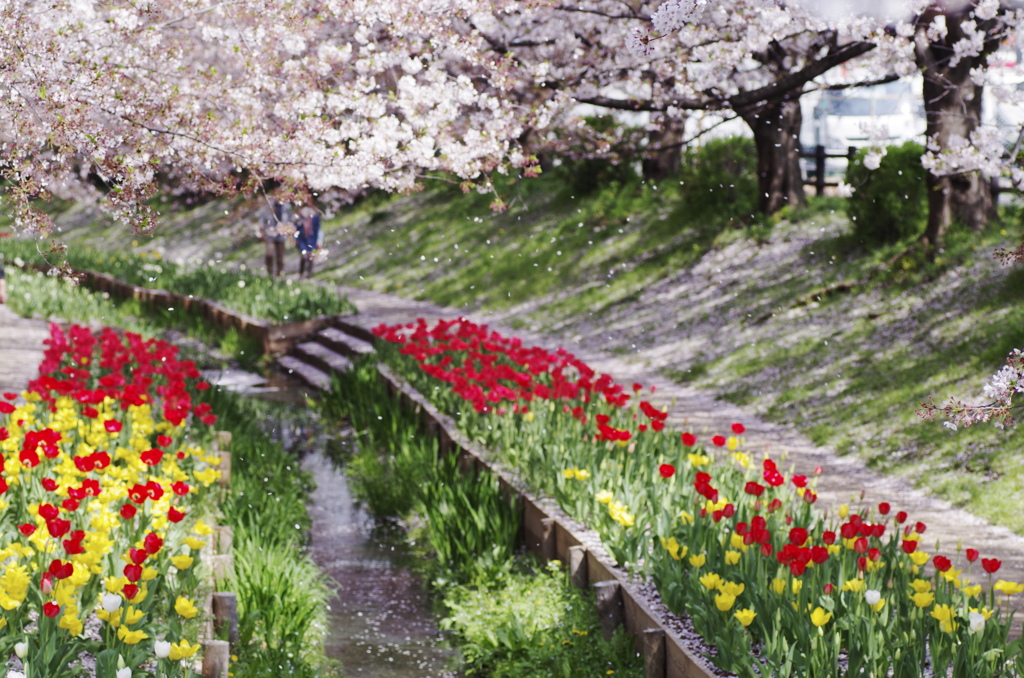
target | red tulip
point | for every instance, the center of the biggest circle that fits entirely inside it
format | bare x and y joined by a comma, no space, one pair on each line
991,565
753,488
901,517
689,439
58,527
133,573
128,511
666,471
884,508
942,563
972,555
908,546
738,429
51,609
718,441
151,457
153,543
174,515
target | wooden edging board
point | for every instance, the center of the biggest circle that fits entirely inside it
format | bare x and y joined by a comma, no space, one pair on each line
274,339
551,534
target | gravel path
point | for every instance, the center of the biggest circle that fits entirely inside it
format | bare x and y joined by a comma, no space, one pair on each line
21,349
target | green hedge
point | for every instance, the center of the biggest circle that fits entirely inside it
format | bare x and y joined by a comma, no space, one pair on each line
889,203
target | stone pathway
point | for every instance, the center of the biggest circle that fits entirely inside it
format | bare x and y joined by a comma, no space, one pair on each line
845,479
21,349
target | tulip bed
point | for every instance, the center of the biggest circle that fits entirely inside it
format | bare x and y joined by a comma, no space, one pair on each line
103,483
773,585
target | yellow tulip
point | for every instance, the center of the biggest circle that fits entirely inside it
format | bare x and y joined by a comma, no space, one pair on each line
919,558
130,637
698,560
855,585
944,614
711,581
819,617
923,599
182,650
732,557
731,588
1008,587
745,616
724,602
921,585
185,607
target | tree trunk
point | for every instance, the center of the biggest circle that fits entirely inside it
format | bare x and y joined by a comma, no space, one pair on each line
952,103
776,128
665,142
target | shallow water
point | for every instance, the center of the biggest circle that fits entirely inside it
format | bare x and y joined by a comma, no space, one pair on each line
380,623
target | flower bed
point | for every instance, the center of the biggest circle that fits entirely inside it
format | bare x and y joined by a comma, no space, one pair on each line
729,540
103,482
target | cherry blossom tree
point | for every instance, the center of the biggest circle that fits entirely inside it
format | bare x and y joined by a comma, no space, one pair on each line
952,45
754,59
348,94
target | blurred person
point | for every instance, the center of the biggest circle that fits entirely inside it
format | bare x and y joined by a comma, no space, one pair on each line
276,220
308,238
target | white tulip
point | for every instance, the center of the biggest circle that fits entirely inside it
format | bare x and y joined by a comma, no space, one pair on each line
126,672
15,674
111,602
871,597
977,621
161,649
21,649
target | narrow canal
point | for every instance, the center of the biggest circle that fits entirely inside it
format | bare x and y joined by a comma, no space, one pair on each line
380,623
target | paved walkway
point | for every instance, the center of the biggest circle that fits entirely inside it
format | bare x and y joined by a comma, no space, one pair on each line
844,478
21,349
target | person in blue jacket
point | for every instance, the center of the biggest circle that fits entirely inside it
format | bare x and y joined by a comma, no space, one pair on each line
308,238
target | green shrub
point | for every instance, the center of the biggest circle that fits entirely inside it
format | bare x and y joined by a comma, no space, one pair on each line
282,608
534,624
583,177
719,180
889,203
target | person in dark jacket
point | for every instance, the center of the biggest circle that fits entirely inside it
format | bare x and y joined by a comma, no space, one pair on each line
308,238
